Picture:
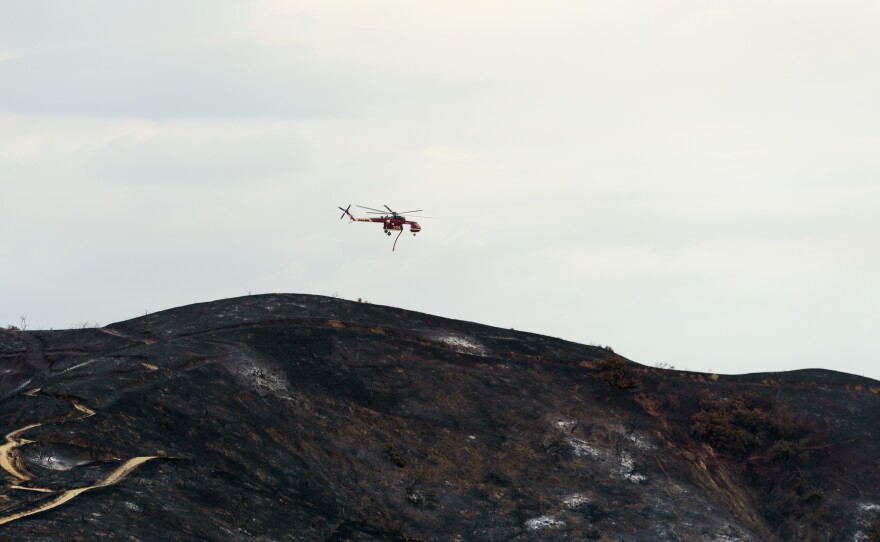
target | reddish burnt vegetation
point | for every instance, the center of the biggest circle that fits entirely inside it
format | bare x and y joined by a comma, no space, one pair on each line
747,422
783,443
776,447
616,373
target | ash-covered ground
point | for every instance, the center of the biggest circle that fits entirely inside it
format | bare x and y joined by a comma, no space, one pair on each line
298,417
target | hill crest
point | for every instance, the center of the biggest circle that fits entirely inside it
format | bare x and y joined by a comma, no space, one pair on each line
298,417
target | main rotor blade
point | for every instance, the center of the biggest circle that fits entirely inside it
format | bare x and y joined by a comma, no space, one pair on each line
421,216
370,208
389,209
407,212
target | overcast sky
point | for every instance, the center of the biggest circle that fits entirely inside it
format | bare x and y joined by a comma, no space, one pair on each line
693,183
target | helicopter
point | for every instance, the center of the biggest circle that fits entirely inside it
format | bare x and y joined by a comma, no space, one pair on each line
391,220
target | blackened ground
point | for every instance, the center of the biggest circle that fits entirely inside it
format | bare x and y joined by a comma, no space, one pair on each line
295,417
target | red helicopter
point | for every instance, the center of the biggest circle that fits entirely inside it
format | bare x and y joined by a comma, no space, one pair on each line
391,220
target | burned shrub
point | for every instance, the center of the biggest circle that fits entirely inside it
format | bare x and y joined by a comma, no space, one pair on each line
718,422
394,456
774,444
744,422
782,451
615,373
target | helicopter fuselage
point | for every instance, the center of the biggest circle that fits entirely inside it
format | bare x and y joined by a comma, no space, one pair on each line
390,222
393,223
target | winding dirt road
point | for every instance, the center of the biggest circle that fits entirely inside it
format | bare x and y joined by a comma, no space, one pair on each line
7,462
10,464
70,494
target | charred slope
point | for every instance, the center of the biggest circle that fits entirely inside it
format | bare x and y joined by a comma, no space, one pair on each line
295,417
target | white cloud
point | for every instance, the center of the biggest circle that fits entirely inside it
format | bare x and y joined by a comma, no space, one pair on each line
679,180
7,55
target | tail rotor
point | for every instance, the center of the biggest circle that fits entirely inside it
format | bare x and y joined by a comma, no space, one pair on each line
345,211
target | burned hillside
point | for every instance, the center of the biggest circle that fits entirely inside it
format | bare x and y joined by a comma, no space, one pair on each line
297,417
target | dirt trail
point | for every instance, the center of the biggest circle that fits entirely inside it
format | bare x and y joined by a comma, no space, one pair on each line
10,465
123,470
7,463
37,489
122,335
113,332
84,409
70,494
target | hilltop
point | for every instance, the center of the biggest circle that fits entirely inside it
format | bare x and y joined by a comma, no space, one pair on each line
299,417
